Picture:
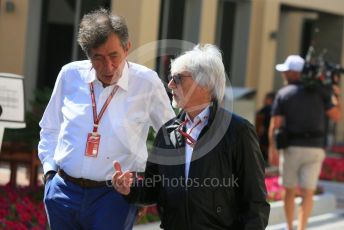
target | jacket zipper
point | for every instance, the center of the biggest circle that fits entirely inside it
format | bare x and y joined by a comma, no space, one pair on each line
187,215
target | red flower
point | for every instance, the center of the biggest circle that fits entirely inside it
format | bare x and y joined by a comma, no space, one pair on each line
22,208
333,169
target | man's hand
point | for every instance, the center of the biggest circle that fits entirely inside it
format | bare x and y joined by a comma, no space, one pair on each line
122,181
276,122
48,176
140,214
273,156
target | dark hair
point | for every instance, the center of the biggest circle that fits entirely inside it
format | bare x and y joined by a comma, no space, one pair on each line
96,27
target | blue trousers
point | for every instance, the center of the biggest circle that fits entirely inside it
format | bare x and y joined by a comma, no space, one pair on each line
69,206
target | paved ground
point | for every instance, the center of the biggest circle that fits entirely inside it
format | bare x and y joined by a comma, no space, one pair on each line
331,221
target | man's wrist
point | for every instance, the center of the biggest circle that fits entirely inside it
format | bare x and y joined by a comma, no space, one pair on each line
47,176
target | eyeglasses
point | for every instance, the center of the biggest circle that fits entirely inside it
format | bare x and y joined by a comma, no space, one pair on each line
177,78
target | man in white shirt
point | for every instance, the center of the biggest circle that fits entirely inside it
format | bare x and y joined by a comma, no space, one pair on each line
100,111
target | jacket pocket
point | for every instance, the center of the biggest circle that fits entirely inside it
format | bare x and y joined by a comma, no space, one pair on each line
223,205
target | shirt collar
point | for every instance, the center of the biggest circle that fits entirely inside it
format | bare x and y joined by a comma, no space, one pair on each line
122,82
203,116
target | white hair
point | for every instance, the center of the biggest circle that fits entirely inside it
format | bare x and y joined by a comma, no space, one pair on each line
204,63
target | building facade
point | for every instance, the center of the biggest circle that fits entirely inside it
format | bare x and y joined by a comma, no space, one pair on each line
39,36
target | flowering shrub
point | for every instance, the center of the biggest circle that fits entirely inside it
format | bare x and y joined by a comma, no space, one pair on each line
275,191
337,149
22,208
333,169
150,216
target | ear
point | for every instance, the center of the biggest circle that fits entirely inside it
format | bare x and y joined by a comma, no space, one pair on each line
128,47
206,92
204,89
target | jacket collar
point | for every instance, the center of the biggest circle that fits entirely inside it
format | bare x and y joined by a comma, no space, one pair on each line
176,138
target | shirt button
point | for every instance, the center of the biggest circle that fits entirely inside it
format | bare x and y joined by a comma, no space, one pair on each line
218,209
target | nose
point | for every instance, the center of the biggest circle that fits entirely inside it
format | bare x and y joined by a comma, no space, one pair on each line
171,84
109,67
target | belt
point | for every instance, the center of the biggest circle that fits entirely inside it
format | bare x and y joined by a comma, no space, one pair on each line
84,183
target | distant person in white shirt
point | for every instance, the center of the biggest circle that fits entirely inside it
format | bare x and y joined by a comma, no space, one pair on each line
100,111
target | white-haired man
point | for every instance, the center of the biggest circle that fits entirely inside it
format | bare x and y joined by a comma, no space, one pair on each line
206,170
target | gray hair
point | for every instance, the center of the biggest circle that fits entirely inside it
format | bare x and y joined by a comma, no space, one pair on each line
204,63
96,27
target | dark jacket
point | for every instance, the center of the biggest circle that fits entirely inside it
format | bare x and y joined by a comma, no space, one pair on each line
304,113
225,189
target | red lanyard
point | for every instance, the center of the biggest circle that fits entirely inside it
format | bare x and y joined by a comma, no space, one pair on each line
188,139
96,119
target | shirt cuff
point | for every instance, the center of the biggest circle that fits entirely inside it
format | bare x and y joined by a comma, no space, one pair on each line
49,166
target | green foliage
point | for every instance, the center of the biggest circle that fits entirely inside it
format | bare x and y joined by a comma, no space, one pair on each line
149,218
150,139
152,134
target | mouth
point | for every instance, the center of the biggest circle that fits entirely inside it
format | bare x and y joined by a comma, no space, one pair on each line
108,76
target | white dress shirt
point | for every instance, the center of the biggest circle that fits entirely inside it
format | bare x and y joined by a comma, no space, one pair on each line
140,102
196,125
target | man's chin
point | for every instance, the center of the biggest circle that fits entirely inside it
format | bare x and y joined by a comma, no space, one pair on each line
111,79
175,104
